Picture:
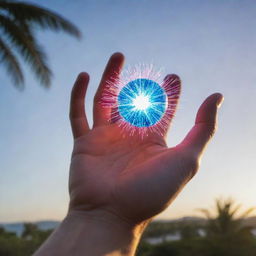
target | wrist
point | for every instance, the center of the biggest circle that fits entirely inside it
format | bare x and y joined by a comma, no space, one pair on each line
109,234
93,233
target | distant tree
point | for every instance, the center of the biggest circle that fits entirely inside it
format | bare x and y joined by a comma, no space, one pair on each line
4,233
30,230
164,249
227,221
144,249
32,237
30,240
10,244
159,228
225,233
18,23
188,231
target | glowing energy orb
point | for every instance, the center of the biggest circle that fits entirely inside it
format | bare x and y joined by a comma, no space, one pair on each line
142,102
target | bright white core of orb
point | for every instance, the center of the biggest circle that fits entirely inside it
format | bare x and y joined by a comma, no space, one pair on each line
141,102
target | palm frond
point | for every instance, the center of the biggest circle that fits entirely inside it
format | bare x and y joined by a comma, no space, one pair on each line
235,209
23,12
12,64
24,40
247,213
226,223
205,212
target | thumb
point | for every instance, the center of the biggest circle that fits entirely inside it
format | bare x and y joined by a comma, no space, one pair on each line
205,126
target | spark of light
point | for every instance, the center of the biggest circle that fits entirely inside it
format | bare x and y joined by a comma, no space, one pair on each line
141,101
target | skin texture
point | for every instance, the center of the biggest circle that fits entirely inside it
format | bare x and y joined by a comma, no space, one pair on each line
118,184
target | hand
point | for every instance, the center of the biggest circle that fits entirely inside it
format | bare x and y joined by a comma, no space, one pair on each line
131,178
117,184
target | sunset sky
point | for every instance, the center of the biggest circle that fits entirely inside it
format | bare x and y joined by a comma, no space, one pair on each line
211,45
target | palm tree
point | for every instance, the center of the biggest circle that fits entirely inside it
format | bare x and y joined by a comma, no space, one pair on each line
227,222
18,23
226,233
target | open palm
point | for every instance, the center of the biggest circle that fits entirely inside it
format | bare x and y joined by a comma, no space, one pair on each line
130,178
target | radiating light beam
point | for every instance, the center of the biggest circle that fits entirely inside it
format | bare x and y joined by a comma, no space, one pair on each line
140,101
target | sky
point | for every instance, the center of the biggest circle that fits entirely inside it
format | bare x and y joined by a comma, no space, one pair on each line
211,45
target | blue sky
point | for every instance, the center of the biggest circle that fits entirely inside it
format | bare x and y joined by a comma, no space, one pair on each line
210,44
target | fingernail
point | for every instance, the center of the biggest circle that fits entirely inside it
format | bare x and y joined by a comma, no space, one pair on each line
81,76
220,101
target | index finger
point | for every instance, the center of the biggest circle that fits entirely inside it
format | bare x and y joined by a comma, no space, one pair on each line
78,120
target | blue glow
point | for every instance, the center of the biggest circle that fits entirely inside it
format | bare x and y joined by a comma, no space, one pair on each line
142,102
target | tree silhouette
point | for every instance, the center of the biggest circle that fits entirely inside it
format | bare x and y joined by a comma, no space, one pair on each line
227,220
29,231
226,233
18,23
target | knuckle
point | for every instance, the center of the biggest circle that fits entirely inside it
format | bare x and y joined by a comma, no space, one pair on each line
212,129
